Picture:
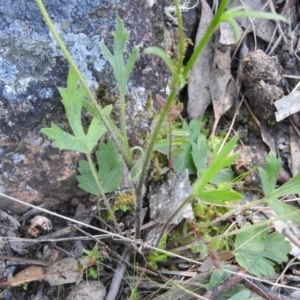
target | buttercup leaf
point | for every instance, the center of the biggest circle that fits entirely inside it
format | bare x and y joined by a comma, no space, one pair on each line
72,99
257,252
109,173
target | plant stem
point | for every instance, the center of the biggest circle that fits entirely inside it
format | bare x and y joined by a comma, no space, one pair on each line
123,117
100,189
123,149
236,211
175,213
176,82
170,146
181,36
146,161
205,39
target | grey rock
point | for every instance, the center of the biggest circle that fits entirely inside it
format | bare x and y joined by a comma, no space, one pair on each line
87,290
167,198
31,69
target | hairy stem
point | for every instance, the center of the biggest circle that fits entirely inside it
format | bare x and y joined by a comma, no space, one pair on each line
123,117
205,39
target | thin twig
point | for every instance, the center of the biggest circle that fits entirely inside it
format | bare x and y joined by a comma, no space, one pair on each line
26,260
264,292
118,277
227,284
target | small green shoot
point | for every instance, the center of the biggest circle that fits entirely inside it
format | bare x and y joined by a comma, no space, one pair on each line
92,256
268,179
92,273
109,172
256,251
269,176
116,60
181,147
223,192
121,71
157,256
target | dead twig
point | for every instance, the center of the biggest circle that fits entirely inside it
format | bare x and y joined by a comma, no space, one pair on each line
227,284
118,277
26,260
265,292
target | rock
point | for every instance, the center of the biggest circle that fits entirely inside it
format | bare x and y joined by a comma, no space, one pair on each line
31,69
87,290
167,197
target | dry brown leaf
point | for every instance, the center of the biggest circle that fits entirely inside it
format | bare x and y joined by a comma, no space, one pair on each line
66,270
295,152
287,106
266,135
198,88
291,3
221,85
263,28
226,34
29,274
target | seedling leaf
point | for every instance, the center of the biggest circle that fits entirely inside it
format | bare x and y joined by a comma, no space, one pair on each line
185,160
109,173
201,152
94,133
218,162
157,256
164,56
221,195
116,60
257,252
91,109
269,176
63,140
286,211
225,175
289,188
72,99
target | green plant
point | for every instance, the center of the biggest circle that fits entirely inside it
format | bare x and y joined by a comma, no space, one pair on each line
86,142
92,273
157,256
187,147
256,251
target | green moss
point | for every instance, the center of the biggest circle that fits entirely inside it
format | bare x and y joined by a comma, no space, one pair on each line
159,33
103,96
180,237
149,103
158,162
124,201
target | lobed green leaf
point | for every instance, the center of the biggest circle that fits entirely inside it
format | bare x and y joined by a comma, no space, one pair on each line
109,173
257,252
72,99
269,176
